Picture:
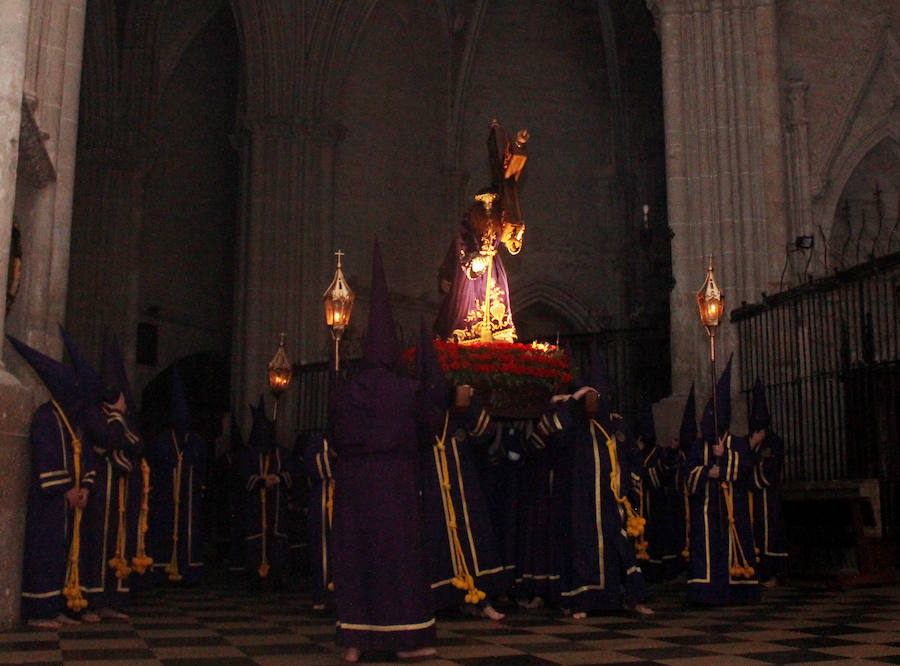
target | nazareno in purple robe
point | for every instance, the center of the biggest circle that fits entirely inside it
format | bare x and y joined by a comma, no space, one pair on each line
598,567
319,465
382,595
164,475
48,526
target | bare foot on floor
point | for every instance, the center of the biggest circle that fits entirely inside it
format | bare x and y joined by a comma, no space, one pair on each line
351,655
45,623
417,654
90,618
113,614
579,616
641,609
62,618
771,582
492,613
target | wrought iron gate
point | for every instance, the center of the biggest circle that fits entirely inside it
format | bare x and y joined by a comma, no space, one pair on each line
828,353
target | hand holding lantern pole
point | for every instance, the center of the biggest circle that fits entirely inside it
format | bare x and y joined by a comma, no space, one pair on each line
280,374
338,299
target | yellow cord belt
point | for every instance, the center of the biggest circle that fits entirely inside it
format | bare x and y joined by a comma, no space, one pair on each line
739,565
118,561
634,526
462,578
72,588
172,566
264,563
686,553
141,561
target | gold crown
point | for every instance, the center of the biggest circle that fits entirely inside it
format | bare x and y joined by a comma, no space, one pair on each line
487,199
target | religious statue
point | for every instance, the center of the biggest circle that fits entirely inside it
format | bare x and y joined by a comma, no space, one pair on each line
476,307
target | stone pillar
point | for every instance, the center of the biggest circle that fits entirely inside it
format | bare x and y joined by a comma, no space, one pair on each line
285,261
14,397
13,44
725,173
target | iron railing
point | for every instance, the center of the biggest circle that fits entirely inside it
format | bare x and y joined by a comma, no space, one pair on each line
828,352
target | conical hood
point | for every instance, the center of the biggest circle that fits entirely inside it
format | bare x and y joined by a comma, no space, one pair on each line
262,430
723,400
181,414
599,379
61,380
87,374
435,389
646,426
236,439
599,374
688,431
759,410
110,384
382,348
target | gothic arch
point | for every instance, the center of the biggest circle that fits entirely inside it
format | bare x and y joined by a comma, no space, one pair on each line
885,131
557,299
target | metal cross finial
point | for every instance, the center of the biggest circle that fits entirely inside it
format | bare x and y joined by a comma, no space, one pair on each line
281,342
339,254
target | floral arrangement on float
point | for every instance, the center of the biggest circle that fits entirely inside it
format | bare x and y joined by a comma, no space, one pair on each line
513,379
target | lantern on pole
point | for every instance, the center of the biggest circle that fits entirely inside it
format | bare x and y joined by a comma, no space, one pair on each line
280,374
338,299
711,304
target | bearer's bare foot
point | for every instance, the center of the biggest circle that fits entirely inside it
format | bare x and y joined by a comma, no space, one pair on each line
112,614
416,654
64,619
47,624
492,613
90,618
579,615
640,609
351,655
771,582
537,602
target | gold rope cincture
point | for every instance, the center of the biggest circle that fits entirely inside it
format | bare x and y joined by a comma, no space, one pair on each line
264,564
686,553
739,566
72,588
634,525
141,561
172,566
118,561
752,523
462,578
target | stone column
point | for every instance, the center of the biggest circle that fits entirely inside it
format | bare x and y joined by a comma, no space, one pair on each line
285,259
15,398
13,44
725,173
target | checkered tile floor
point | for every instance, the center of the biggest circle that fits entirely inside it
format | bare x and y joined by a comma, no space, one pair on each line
233,626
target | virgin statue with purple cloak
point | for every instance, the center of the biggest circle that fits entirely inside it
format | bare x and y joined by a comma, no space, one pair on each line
476,307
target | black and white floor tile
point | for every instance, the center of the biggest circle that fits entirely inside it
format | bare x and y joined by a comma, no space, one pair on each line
229,625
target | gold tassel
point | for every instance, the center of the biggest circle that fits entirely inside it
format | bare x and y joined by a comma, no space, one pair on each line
634,524
462,579
141,561
72,587
172,566
118,561
264,564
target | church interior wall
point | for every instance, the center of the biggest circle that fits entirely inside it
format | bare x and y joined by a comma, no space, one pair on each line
850,101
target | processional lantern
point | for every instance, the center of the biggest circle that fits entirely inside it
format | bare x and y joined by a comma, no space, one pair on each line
711,304
280,375
338,299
